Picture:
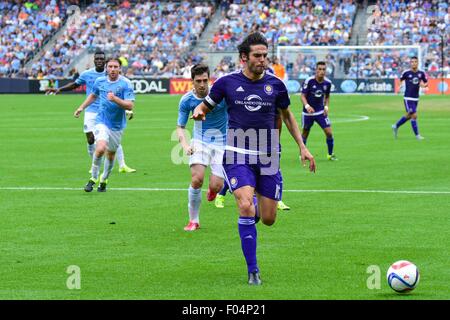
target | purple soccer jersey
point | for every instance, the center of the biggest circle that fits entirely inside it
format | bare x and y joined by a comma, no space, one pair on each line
412,83
252,151
315,93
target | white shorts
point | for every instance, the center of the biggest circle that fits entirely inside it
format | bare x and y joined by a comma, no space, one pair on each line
89,121
112,138
208,155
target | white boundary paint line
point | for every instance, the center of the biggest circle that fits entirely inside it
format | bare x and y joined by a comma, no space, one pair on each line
183,189
345,120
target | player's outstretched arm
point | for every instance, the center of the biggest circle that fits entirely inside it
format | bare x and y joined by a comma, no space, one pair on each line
67,87
200,112
291,124
91,98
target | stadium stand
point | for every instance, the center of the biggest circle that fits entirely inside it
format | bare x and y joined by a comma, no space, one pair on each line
322,22
153,37
25,27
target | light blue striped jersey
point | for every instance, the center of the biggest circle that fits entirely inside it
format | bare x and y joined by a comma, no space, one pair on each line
213,129
109,113
88,78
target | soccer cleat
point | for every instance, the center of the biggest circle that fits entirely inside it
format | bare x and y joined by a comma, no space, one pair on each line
395,130
419,137
102,186
210,195
332,157
254,279
90,185
192,226
126,169
282,206
220,199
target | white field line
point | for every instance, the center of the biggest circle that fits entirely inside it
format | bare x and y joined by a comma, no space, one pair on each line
183,189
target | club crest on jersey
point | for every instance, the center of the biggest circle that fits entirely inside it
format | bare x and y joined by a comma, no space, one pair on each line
233,182
268,89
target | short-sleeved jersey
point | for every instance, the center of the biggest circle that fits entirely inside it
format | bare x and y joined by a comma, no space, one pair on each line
252,108
88,78
315,93
412,83
213,129
109,113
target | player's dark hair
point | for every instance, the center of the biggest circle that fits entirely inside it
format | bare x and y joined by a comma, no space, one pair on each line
98,51
199,69
320,63
251,40
114,59
414,57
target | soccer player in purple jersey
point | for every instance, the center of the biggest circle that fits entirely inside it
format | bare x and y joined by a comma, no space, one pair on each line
413,80
316,98
251,160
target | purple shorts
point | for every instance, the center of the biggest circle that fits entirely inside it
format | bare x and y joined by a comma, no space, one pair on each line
411,106
321,119
267,185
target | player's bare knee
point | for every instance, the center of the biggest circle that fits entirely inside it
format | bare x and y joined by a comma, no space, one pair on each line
268,221
245,206
196,182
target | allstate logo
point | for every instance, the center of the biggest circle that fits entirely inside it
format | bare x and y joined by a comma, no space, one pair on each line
253,102
348,86
415,80
293,86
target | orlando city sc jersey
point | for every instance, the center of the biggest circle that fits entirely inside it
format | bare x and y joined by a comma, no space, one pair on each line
412,83
109,113
213,130
315,93
88,78
252,107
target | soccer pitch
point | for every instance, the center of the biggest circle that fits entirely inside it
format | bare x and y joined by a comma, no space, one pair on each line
384,200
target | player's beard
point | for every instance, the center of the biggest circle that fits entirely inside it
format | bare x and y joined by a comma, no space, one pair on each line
257,70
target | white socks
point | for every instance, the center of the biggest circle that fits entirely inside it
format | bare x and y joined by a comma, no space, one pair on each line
120,156
96,166
91,149
195,199
107,168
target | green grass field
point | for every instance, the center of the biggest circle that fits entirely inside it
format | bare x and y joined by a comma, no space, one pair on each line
383,201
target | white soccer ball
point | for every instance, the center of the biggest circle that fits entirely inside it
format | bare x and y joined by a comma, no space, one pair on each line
403,276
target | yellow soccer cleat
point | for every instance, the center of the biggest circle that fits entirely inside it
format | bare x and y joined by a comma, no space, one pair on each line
220,200
282,206
126,169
